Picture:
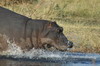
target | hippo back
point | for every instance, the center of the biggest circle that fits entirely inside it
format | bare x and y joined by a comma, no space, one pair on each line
11,23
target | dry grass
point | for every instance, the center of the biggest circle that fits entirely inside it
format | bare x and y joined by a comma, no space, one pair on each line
85,38
80,19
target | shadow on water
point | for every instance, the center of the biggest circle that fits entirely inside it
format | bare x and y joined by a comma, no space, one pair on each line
25,63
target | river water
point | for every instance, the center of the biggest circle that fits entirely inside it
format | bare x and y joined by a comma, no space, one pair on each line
14,56
47,58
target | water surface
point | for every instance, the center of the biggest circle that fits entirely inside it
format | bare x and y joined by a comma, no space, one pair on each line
46,58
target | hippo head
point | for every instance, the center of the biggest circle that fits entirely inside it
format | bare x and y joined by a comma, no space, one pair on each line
54,39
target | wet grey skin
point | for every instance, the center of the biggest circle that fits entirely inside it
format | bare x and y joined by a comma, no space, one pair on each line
30,33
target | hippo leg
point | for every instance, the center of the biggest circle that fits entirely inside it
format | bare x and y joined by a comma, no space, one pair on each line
3,43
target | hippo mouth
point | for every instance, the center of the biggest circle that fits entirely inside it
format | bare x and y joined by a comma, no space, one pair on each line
49,47
53,48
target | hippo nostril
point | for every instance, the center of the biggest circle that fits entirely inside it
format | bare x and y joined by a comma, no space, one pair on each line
70,44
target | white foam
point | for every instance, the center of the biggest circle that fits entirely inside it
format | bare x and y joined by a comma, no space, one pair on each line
13,49
40,53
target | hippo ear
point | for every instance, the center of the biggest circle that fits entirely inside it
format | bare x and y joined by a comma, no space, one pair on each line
50,25
47,29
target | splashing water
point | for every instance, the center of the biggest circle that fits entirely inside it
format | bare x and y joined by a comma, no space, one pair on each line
13,49
15,52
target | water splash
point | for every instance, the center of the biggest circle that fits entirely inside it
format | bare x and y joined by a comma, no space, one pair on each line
16,52
13,49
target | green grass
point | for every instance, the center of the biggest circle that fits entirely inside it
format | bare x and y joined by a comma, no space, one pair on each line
79,18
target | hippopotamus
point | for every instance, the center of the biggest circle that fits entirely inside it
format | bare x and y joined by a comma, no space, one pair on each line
28,33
